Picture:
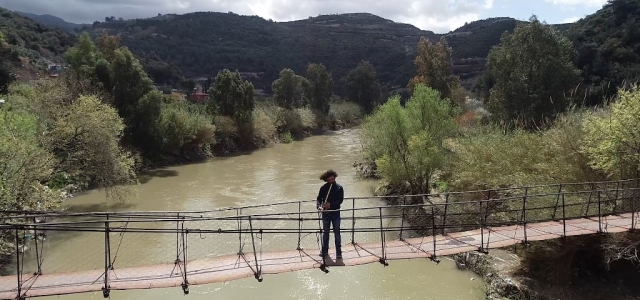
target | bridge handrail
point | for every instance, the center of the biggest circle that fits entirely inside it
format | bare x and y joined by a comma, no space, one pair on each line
132,214
296,216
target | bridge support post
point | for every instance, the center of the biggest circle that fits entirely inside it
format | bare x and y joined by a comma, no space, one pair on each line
444,217
433,234
615,203
238,213
524,215
633,209
185,283
599,214
299,225
18,264
257,274
564,219
353,221
404,202
177,261
383,259
586,214
481,249
106,289
555,209
35,237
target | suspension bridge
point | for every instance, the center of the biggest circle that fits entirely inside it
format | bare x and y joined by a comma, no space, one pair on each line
144,250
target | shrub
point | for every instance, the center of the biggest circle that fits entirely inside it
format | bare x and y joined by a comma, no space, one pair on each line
180,129
287,138
612,138
307,119
344,113
226,133
292,122
264,126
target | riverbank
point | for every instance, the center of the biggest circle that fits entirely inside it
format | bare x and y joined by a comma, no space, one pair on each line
497,270
271,125
507,277
197,156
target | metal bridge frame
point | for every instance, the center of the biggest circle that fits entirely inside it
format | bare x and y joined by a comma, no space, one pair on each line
449,221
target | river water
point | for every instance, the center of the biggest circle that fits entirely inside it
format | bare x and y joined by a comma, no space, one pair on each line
284,172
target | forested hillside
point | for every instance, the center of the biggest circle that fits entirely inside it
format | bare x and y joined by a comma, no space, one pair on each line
27,47
203,43
608,45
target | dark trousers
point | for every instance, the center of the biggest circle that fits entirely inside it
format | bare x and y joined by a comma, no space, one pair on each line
331,219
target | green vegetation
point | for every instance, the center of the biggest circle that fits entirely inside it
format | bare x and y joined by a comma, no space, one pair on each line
608,49
290,90
32,43
434,67
407,144
203,43
363,87
104,119
539,131
533,70
612,138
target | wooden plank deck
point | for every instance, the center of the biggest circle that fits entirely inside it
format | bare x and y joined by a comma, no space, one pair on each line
226,268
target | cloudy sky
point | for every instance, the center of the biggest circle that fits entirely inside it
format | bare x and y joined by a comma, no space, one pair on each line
437,15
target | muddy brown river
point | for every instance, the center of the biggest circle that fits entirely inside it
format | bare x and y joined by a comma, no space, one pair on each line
283,172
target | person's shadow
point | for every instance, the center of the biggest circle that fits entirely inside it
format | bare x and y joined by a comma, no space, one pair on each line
329,261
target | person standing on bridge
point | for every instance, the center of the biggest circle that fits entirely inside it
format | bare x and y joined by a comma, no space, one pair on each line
329,200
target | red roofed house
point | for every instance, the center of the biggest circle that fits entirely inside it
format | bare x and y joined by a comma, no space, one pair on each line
199,97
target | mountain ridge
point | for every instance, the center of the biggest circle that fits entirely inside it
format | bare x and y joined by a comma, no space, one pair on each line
211,41
200,44
51,20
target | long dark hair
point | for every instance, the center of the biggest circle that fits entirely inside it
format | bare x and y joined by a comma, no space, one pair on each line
328,174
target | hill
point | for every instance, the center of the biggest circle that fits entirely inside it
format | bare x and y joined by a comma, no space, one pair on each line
203,43
52,21
608,45
33,46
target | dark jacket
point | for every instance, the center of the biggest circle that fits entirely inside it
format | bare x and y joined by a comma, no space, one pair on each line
335,197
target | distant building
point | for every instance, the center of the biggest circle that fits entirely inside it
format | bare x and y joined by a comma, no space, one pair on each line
199,97
54,70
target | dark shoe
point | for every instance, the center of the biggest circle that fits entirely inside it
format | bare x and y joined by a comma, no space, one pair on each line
339,256
322,254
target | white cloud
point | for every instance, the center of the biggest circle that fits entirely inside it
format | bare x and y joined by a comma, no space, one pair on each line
569,20
436,15
488,4
588,3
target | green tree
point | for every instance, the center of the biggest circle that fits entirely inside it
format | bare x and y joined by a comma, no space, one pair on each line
612,139
362,86
26,165
6,76
108,44
231,95
321,87
533,69
609,54
88,136
407,143
130,83
290,90
434,67
83,56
